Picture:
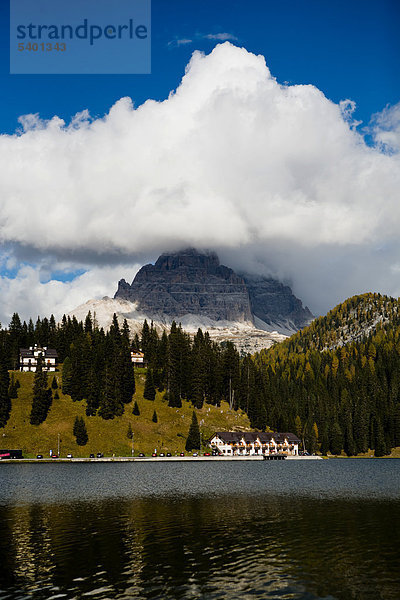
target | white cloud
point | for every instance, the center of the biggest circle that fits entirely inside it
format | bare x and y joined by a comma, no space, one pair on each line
269,175
385,128
28,295
221,37
179,42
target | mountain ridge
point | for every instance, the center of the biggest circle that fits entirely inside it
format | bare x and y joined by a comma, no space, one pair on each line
192,282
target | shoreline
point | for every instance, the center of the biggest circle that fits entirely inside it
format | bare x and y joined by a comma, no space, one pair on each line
108,459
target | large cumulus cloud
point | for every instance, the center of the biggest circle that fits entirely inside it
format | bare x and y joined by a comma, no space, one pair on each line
274,177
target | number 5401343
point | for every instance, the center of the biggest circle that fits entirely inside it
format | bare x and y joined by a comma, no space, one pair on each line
42,47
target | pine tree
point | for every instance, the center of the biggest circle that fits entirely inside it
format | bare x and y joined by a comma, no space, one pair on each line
92,393
56,395
313,439
396,425
66,376
80,432
154,417
298,427
136,410
129,433
336,442
54,383
127,377
88,323
380,446
193,438
325,441
42,396
110,405
13,388
149,389
5,402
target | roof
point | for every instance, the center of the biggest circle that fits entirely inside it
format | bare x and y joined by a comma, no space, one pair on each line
234,437
28,353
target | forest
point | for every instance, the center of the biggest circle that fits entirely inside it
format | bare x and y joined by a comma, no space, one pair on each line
335,384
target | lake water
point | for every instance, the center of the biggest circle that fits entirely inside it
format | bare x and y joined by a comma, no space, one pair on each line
226,530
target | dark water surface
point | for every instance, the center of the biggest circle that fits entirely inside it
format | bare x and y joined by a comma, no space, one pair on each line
317,529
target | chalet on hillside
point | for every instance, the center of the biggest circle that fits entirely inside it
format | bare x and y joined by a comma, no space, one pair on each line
137,358
253,442
28,358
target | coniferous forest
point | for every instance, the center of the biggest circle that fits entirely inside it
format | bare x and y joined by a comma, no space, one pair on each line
336,384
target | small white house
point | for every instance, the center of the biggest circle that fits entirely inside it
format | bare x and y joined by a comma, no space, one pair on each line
28,358
250,443
137,358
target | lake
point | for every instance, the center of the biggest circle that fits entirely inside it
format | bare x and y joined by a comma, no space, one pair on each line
288,530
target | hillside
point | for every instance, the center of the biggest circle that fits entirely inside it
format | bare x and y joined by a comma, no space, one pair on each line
110,437
338,380
351,321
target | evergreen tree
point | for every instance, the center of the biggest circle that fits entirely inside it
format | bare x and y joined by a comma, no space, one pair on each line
380,446
92,392
136,410
5,402
336,442
56,395
396,425
80,432
66,376
127,373
193,438
13,388
325,441
154,417
298,427
110,404
129,433
149,389
88,323
312,444
15,340
54,383
42,396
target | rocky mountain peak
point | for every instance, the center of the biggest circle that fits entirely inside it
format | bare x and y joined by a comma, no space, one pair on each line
190,282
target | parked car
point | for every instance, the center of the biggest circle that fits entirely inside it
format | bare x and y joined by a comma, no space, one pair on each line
169,454
100,455
206,454
91,455
194,454
215,453
54,456
69,456
182,454
162,454
141,454
154,454
39,456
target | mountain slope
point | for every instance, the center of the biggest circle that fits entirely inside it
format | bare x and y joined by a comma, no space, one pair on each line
195,283
351,321
189,282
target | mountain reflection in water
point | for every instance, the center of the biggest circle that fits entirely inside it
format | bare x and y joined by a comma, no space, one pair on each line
224,546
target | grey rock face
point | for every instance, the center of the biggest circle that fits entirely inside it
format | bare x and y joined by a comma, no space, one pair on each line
273,302
189,282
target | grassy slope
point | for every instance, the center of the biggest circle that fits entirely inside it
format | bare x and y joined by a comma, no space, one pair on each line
110,437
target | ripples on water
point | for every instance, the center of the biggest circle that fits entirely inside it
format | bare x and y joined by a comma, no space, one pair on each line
177,530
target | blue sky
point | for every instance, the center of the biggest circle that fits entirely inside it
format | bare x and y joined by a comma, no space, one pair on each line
349,50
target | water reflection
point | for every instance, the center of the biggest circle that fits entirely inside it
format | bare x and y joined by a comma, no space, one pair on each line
226,546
